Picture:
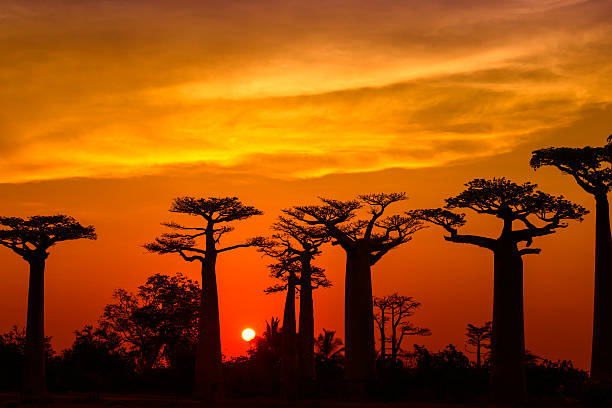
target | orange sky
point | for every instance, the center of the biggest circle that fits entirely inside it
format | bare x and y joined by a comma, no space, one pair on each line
109,109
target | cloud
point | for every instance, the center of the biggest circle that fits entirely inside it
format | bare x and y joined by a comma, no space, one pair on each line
287,88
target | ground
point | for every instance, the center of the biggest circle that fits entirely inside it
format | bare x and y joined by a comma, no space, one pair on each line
156,401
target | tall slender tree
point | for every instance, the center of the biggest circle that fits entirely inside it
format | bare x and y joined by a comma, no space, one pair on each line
540,214
215,212
591,167
289,348
295,245
292,363
479,337
365,242
31,239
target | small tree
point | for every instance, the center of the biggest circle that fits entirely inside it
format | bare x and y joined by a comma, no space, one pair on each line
394,311
156,321
509,202
216,213
31,239
591,167
479,337
365,242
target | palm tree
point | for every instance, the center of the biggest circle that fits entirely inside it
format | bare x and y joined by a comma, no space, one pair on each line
329,350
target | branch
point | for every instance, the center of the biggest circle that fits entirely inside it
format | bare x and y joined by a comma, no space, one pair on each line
483,242
529,251
251,242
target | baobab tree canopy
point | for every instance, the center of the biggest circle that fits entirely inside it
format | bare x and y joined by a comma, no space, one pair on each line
590,166
539,212
214,210
340,218
34,235
285,271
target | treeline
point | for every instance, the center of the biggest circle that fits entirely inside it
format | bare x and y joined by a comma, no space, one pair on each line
146,342
367,228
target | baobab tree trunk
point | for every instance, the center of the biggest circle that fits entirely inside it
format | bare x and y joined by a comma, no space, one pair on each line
306,330
601,358
208,376
289,349
34,381
383,340
507,336
394,346
360,355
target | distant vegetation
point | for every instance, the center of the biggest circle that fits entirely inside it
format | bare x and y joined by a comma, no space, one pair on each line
165,337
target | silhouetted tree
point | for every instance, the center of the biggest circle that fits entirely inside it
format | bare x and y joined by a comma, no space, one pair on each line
157,321
12,349
365,242
510,202
395,310
214,211
289,274
295,245
591,167
267,348
479,337
329,349
31,238
96,361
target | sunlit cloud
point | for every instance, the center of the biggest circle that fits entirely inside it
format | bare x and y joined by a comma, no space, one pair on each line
285,89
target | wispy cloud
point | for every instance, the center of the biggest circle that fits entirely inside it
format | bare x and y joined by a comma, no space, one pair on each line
288,88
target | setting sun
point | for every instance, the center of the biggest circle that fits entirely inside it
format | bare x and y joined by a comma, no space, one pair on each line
248,334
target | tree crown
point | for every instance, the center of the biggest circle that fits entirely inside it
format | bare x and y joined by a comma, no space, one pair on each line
340,221
591,167
214,210
34,235
292,271
510,202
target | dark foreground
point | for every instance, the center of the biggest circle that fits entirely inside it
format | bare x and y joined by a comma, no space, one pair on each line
155,401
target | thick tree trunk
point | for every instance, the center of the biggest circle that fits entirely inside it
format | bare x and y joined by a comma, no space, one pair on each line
306,330
289,349
360,354
601,358
478,355
34,381
208,375
508,337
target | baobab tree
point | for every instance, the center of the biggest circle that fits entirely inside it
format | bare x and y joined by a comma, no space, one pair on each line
295,360
591,167
216,213
365,241
540,214
31,239
479,337
393,311
295,244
